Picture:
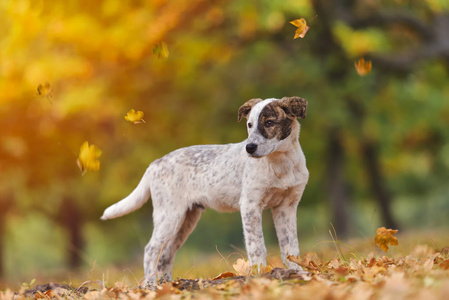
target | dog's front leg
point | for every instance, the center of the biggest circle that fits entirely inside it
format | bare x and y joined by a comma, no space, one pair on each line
284,217
252,230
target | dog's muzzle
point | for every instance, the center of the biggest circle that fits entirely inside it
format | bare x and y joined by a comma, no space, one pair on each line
251,148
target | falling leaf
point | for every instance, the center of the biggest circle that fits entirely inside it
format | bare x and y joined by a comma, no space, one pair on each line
161,50
363,67
242,267
302,28
135,117
224,275
45,90
384,237
88,158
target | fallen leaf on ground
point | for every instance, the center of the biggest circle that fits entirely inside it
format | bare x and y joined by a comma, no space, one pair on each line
242,267
384,237
224,275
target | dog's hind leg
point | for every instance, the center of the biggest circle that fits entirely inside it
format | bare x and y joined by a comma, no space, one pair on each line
158,252
191,219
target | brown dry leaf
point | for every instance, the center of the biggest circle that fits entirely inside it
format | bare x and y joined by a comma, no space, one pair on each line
302,28
242,267
334,264
384,237
295,259
166,289
444,265
6,295
363,67
342,271
224,275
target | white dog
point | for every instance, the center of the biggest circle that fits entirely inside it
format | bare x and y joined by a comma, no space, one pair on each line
268,170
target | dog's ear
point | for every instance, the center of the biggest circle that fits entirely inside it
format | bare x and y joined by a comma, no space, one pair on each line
246,108
294,107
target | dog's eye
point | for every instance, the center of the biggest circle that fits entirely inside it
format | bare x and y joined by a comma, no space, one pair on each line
250,125
269,123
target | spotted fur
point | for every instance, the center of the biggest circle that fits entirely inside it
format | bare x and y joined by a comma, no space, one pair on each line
266,171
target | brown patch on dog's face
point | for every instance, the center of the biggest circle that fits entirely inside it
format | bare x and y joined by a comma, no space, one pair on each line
274,122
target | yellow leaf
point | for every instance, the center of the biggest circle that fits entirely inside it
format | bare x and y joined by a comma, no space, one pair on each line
363,67
88,158
135,117
302,28
45,90
384,237
242,267
161,50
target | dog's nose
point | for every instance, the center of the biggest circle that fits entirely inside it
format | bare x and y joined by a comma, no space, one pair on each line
251,148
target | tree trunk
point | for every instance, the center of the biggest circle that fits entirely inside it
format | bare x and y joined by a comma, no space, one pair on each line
336,185
379,189
5,205
2,238
71,219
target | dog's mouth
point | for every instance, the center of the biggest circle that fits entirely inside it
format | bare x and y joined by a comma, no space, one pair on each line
255,155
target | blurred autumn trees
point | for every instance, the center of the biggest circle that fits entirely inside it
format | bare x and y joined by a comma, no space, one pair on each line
383,137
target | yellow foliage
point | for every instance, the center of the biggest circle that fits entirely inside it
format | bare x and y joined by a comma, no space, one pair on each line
360,42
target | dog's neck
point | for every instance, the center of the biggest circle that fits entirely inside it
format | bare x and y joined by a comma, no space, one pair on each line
290,146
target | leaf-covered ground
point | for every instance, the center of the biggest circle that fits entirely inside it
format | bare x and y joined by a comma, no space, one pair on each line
422,274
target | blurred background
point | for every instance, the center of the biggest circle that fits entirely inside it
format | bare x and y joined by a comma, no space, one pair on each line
377,146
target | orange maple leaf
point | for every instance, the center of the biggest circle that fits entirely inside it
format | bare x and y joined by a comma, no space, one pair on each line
363,67
302,28
384,237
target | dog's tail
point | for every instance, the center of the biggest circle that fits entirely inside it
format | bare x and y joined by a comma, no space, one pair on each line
134,201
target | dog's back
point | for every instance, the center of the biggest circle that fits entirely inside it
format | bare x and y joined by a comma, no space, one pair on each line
208,175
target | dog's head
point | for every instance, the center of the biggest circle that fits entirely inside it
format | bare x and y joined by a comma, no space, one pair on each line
270,122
